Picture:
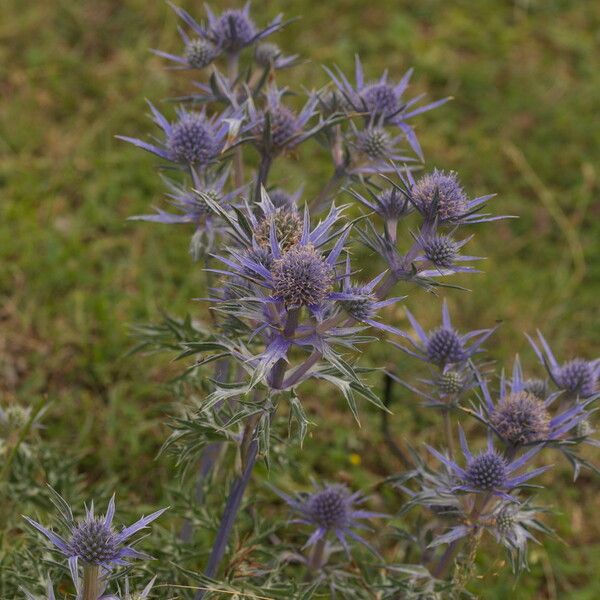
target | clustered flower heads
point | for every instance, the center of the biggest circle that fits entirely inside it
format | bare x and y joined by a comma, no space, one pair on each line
287,308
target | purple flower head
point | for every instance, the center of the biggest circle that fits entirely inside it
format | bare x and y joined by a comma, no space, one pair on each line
194,140
231,31
443,346
521,418
489,471
93,540
375,142
331,509
381,102
442,253
361,302
441,199
390,203
190,204
276,127
302,277
269,56
577,377
198,53
373,150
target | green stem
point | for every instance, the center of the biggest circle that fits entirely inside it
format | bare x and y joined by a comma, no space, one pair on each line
91,582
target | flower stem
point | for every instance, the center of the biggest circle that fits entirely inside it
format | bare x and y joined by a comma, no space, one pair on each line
448,432
315,560
262,175
91,582
249,454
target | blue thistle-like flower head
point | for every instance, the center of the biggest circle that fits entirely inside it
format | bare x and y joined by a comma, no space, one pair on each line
439,195
537,387
268,55
577,377
361,301
286,129
302,277
234,29
486,471
390,203
489,471
331,509
381,102
441,250
380,99
93,540
443,346
375,142
193,140
362,305
199,53
451,382
521,418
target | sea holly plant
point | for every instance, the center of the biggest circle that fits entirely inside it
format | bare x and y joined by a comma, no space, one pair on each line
298,286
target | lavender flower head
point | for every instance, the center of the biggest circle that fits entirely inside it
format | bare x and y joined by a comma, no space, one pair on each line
194,140
578,377
276,127
361,302
231,31
489,471
521,418
93,540
444,345
381,102
442,253
441,199
302,277
331,509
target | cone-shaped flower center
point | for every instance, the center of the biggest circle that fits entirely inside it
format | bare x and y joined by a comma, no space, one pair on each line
234,30
329,508
441,250
199,53
445,346
94,542
191,140
374,142
521,418
380,99
439,194
577,376
361,307
301,277
486,471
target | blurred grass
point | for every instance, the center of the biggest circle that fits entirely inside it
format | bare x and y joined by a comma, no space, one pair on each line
75,273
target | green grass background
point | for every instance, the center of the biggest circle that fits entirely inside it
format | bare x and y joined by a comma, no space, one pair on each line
74,274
